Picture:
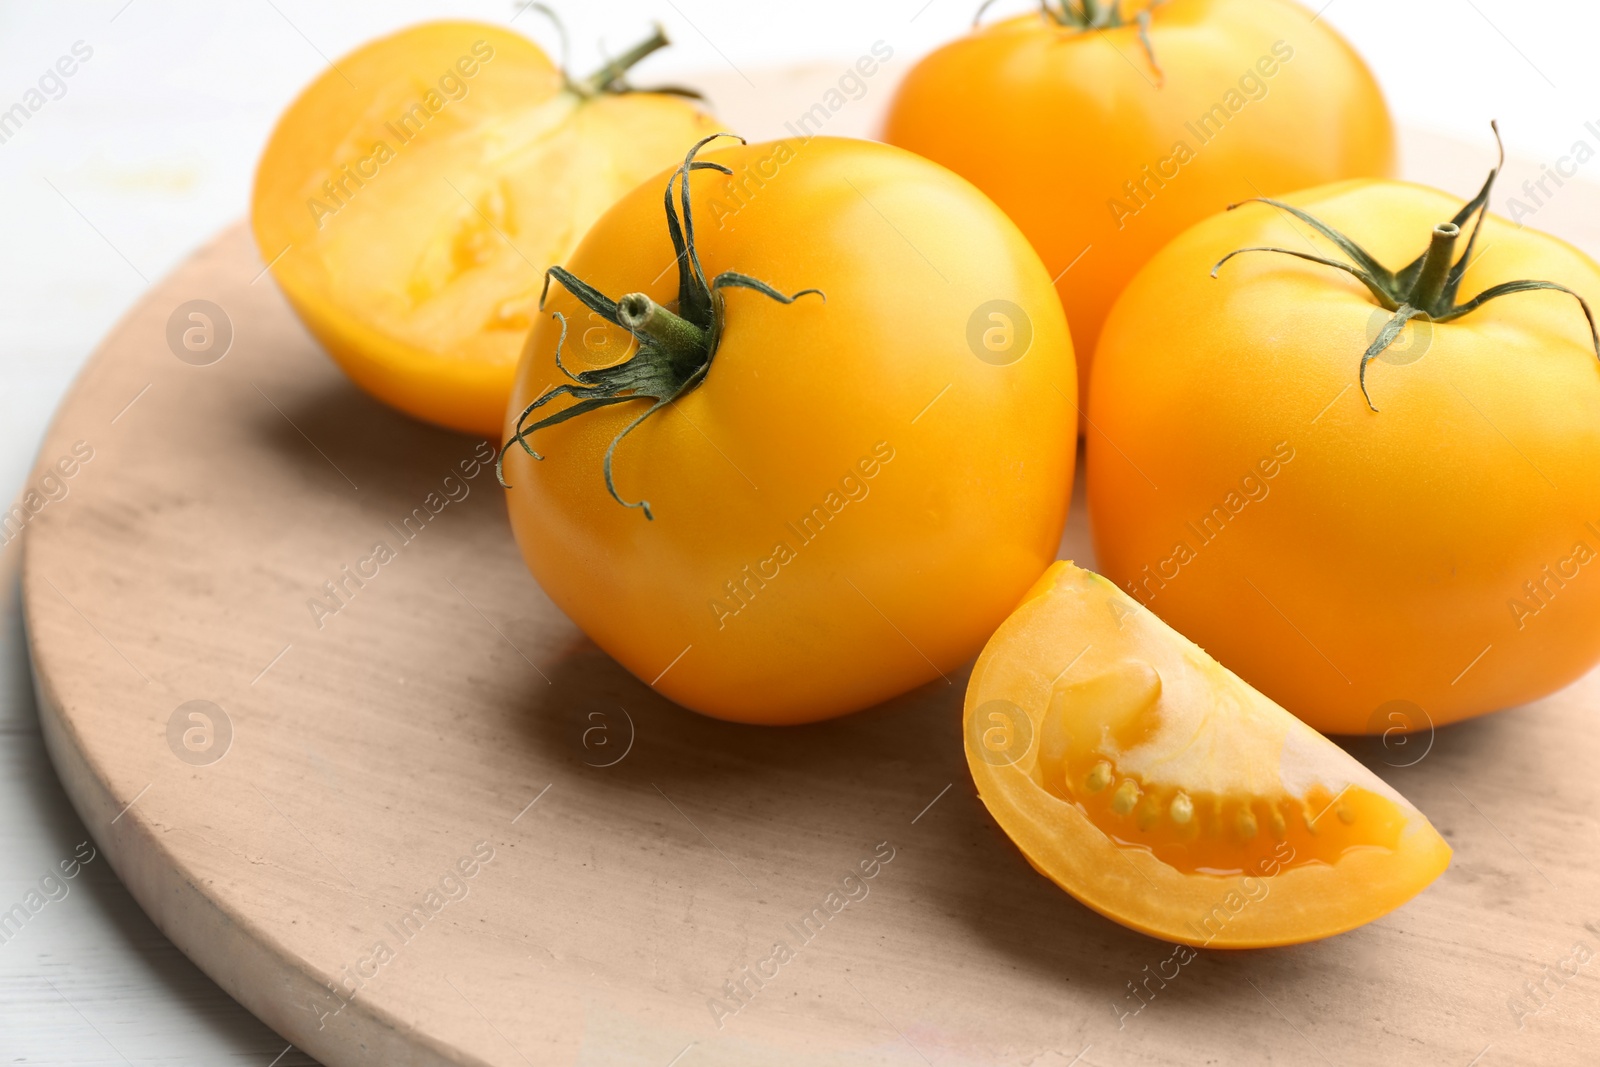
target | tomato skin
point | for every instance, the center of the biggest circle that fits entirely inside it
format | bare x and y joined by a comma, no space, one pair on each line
421,278
1381,562
940,476
1053,123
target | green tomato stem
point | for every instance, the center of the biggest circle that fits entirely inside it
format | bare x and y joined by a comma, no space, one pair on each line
605,79
684,343
675,348
1086,15
1426,287
1427,294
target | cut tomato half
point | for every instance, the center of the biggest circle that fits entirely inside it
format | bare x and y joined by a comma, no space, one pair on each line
1157,787
410,199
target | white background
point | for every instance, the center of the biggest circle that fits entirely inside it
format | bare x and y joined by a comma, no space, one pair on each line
151,150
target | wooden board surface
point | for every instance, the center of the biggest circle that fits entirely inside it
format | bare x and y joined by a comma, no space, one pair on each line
643,856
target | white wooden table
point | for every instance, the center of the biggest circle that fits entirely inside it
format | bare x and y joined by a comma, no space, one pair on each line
149,150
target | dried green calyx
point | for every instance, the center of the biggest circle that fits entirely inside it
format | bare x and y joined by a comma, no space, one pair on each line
612,78
1088,15
1425,288
676,347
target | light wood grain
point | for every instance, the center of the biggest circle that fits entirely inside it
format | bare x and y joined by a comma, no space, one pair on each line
371,753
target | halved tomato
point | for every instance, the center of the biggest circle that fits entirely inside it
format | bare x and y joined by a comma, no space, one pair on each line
410,200
1153,784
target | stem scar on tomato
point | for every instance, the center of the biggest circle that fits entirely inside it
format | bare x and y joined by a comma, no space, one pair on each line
1426,287
675,349
1094,15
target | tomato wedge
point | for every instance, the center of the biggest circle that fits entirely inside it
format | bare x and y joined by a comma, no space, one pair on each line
1153,784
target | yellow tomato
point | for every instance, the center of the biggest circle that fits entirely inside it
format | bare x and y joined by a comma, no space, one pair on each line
1433,551
410,200
832,497
1151,783
1104,144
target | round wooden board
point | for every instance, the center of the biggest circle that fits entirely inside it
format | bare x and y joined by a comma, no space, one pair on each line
644,856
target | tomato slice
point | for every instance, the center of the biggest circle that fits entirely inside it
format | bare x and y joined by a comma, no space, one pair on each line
1157,787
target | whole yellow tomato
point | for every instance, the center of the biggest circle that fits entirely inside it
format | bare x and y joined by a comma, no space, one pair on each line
411,198
778,508
1371,496
1106,129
